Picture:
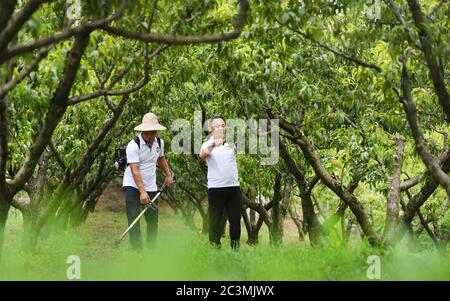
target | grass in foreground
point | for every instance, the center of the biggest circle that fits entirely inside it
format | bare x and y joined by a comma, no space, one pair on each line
184,255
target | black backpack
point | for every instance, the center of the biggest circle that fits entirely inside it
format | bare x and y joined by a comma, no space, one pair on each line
120,155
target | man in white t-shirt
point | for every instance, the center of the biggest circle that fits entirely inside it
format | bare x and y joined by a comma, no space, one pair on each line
144,153
224,192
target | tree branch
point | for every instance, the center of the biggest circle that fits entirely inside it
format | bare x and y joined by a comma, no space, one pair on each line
301,140
4,152
109,92
395,10
100,174
102,81
258,208
336,52
309,215
90,154
419,199
17,21
409,183
434,62
178,40
57,156
65,34
4,89
423,222
382,166
6,11
294,216
331,221
150,22
313,182
57,108
411,113
436,8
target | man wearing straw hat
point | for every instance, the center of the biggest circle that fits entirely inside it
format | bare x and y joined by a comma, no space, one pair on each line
144,152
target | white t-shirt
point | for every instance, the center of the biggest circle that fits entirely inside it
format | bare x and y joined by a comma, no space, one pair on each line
147,158
222,166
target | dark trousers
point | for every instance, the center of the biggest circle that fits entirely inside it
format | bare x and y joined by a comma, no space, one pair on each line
133,205
220,200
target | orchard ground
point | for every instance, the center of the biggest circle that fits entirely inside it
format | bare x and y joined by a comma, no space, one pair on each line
182,254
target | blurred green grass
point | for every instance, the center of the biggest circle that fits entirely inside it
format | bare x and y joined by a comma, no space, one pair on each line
184,255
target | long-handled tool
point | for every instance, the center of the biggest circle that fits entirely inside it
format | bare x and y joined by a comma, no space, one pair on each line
150,204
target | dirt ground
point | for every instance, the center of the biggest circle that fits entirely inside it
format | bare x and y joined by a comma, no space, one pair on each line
112,200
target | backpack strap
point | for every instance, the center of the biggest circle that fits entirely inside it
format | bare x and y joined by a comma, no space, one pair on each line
138,141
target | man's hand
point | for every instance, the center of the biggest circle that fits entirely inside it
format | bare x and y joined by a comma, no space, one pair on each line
168,180
144,198
217,142
210,146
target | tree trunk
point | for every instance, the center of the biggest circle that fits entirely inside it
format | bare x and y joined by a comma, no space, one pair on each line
205,223
276,231
432,56
188,213
299,138
76,216
297,222
251,227
58,106
393,202
253,236
4,210
48,217
418,200
313,225
346,234
189,220
204,216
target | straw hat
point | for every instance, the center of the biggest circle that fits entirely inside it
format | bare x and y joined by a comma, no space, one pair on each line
149,123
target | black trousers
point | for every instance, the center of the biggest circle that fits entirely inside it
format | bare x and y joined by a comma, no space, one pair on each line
133,205
220,200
